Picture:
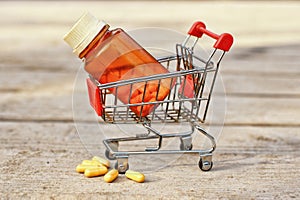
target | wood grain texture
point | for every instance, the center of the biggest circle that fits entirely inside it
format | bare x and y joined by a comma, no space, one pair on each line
257,154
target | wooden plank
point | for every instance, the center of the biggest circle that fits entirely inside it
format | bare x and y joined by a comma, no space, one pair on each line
30,80
268,61
37,163
261,85
254,84
269,29
278,111
249,96
241,110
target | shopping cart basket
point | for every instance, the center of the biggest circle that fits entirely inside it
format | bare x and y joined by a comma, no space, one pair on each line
188,100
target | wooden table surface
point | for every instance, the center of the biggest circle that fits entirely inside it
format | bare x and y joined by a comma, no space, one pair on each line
257,154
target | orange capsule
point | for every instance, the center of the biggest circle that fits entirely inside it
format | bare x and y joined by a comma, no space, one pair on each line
135,176
102,161
91,162
81,168
111,176
96,171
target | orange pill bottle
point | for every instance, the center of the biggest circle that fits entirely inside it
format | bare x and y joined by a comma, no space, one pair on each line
111,56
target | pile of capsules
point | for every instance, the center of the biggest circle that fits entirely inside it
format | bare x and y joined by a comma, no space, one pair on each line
98,166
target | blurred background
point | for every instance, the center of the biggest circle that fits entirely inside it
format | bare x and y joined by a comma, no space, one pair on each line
36,61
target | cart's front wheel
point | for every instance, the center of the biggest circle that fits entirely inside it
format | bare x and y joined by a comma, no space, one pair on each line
122,167
205,165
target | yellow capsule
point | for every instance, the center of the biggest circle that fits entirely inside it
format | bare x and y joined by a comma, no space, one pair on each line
101,160
81,168
135,176
111,176
91,162
96,171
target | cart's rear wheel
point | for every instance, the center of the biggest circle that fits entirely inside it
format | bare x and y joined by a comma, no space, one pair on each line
205,165
109,155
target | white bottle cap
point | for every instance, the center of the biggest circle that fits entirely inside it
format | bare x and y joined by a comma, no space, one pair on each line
83,32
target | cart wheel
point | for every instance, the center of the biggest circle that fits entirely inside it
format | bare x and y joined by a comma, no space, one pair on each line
122,167
109,156
186,147
205,165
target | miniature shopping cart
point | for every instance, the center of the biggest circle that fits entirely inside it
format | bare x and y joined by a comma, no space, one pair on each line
192,82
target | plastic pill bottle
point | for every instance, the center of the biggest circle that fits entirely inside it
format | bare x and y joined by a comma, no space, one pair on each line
111,56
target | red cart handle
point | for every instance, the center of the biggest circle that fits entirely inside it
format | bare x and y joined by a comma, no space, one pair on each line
224,41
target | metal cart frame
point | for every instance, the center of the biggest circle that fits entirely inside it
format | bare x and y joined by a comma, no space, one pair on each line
187,101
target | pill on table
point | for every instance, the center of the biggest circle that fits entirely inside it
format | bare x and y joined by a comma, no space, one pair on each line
135,176
101,160
111,175
81,168
91,162
96,171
